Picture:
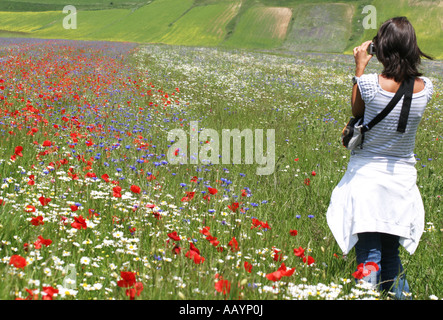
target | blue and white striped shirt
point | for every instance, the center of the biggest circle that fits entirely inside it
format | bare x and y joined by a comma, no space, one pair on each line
383,139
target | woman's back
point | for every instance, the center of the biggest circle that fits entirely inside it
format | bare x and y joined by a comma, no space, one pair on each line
383,139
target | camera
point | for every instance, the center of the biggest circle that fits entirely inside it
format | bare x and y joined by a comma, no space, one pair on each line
371,49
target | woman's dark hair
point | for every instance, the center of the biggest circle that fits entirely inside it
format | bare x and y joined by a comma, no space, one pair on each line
396,48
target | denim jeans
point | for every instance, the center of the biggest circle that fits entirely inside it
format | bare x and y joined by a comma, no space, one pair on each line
382,249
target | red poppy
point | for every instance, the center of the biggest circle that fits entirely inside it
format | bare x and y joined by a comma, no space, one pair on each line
49,293
47,143
30,208
132,292
135,189
189,196
41,241
364,270
278,256
213,240
233,244
79,223
31,295
37,221
18,261
313,173
212,190
195,257
194,254
265,225
205,231
18,151
174,236
281,272
307,181
176,249
44,201
300,252
192,247
105,177
248,266
223,286
128,279
233,206
74,208
260,224
293,232
309,260
116,191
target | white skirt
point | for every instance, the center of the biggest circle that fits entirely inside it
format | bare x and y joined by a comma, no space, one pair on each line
377,195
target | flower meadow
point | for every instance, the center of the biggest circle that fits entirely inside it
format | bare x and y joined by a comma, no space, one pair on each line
91,208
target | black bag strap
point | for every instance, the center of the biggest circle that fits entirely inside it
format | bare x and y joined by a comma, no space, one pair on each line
406,105
406,89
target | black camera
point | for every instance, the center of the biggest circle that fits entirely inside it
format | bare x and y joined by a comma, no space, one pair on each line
371,49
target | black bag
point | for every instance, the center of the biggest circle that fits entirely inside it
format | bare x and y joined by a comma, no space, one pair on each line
353,133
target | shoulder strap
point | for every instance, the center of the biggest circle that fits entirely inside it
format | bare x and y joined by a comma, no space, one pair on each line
406,105
402,90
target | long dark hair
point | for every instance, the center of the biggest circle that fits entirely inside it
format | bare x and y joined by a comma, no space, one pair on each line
397,49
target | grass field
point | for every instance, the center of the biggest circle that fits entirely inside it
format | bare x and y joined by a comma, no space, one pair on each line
202,25
321,27
261,27
295,25
91,207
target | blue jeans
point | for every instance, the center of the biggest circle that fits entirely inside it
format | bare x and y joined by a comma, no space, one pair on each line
382,249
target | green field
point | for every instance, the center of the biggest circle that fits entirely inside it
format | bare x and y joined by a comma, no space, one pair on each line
108,109
321,27
261,27
203,25
425,16
294,25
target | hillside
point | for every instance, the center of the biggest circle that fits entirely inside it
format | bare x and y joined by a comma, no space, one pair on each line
290,25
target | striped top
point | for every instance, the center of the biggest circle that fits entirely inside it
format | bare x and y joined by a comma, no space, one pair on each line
383,139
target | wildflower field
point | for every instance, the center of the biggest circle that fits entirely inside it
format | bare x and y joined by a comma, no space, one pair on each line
92,208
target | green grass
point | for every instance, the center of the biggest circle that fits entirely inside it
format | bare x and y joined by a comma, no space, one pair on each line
88,24
202,25
28,22
319,26
146,24
260,27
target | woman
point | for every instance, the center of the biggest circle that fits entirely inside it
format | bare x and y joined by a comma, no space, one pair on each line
377,206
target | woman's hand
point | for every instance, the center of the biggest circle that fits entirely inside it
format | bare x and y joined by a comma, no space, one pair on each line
361,57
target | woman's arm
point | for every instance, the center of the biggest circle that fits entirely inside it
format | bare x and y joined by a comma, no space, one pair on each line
362,58
357,103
